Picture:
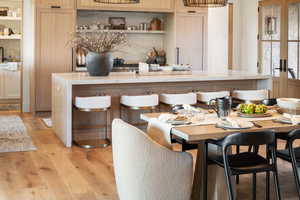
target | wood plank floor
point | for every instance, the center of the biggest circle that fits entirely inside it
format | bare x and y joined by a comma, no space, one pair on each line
54,172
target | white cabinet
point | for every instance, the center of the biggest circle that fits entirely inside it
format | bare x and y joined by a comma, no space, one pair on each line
10,84
186,40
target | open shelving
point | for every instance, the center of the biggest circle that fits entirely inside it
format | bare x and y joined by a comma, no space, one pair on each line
10,18
11,37
124,31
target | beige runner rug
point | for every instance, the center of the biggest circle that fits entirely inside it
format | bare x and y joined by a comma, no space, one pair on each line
13,135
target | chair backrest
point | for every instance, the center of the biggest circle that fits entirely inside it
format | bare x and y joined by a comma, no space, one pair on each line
295,134
248,139
146,170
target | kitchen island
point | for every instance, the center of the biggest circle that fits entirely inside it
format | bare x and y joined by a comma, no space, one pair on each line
66,86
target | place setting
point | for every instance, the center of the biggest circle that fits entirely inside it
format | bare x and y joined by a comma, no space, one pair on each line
224,116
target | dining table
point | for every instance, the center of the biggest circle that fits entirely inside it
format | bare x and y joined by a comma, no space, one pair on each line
199,133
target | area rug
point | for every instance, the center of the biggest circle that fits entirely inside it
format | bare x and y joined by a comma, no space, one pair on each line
47,122
14,136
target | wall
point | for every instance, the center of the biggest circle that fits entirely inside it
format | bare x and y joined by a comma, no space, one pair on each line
246,30
28,52
217,50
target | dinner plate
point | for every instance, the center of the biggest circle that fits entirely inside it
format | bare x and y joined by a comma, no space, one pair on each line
254,115
224,125
178,122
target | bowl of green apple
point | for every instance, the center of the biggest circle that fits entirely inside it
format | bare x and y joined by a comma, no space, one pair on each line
253,111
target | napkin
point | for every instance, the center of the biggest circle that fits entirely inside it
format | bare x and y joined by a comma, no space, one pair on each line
160,132
166,117
235,123
295,119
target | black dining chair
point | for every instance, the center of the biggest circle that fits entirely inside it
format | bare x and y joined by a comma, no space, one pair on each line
290,153
246,162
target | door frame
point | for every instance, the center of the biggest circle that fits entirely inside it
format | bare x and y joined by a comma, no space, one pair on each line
279,83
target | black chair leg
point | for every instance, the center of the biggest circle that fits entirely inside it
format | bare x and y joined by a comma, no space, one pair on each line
295,170
229,184
254,187
268,186
237,178
275,171
205,172
275,174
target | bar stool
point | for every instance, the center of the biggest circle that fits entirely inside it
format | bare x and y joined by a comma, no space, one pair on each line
99,104
139,103
178,99
205,97
250,96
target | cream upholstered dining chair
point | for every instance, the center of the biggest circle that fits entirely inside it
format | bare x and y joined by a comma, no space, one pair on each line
147,170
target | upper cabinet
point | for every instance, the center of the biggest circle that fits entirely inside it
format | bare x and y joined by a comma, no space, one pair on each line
144,5
56,4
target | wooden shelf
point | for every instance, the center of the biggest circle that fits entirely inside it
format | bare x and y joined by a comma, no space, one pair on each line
10,18
11,37
124,31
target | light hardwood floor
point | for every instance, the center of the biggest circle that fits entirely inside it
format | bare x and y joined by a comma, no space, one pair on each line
54,172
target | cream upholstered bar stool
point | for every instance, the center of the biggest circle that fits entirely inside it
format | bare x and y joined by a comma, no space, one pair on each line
142,103
205,97
171,100
98,104
250,96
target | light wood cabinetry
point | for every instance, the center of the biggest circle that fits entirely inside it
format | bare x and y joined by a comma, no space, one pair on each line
55,3
10,84
54,29
144,5
186,40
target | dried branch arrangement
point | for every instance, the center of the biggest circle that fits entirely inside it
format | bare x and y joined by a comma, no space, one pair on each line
99,42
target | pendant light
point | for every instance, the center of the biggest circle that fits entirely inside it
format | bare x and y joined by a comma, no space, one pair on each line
205,3
117,1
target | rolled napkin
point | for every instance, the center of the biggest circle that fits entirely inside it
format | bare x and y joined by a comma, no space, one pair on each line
295,119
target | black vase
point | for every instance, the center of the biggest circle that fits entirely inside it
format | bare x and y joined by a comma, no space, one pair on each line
99,64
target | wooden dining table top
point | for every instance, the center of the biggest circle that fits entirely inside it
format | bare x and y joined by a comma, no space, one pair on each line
203,132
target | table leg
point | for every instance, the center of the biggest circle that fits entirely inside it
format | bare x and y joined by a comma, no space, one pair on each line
198,184
216,178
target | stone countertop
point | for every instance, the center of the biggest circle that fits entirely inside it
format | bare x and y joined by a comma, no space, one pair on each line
79,78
